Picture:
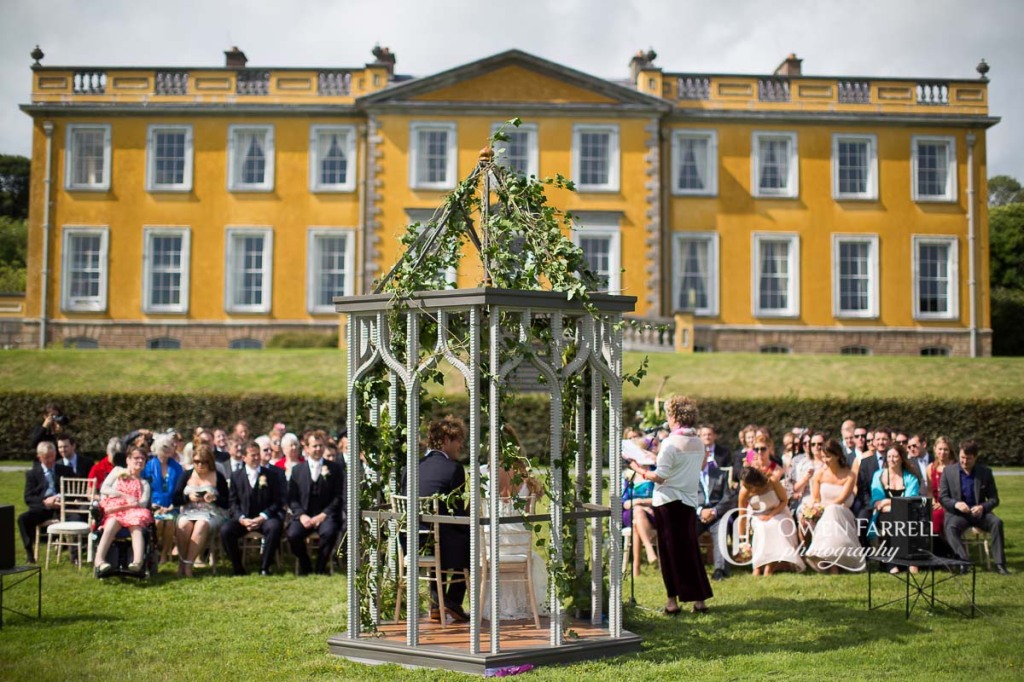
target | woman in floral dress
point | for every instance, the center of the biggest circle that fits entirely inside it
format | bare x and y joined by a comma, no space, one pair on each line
125,503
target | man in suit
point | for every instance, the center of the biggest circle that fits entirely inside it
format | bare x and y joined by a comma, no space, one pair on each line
968,494
42,495
316,496
80,465
441,473
714,499
257,505
862,506
719,454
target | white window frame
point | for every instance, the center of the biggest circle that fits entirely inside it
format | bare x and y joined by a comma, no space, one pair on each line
147,267
90,304
792,189
70,153
151,184
603,226
315,185
793,291
451,169
871,190
614,160
231,235
951,179
532,152
711,185
314,234
952,267
714,269
235,183
873,276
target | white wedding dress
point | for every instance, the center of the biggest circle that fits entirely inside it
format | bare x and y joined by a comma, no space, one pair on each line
516,542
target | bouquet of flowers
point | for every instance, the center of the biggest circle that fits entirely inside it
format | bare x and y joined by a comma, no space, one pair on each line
811,511
743,552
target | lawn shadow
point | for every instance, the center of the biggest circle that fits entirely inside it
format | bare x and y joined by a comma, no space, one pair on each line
769,626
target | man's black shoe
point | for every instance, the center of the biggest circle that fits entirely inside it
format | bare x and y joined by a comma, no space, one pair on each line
1002,570
239,572
458,614
719,574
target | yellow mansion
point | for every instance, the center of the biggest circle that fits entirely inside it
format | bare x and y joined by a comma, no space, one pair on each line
217,207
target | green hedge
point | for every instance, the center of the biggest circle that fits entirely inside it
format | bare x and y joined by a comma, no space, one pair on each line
996,424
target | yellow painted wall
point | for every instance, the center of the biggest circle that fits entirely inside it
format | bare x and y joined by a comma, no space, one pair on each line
554,135
208,210
815,216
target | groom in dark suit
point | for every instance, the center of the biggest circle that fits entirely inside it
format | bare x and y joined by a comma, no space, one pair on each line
714,500
257,506
42,495
316,495
441,472
968,494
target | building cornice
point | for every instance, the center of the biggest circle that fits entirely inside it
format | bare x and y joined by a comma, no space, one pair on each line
218,109
803,117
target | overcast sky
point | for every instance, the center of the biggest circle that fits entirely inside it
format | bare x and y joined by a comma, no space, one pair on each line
904,38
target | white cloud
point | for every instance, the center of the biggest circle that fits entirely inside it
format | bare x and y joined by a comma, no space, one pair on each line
906,38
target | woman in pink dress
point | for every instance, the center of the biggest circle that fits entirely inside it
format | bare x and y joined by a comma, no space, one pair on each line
125,504
943,456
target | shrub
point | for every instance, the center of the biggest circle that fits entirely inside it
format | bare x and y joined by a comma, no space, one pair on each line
996,424
303,340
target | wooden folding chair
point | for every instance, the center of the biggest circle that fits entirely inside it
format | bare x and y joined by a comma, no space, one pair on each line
71,531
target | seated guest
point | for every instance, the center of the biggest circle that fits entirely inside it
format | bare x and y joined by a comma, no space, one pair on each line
202,497
440,473
943,458
316,496
266,450
835,543
257,506
718,454
125,504
714,500
761,457
163,473
292,454
872,461
101,469
638,515
968,494
897,479
765,514
66,448
42,495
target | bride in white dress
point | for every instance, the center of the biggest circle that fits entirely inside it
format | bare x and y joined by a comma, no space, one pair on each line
516,547
835,543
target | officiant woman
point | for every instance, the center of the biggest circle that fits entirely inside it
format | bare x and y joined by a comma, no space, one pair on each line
675,508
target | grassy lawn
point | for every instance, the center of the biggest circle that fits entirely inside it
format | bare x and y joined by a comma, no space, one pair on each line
322,372
785,627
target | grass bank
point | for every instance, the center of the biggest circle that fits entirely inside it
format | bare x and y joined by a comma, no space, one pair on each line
322,372
792,627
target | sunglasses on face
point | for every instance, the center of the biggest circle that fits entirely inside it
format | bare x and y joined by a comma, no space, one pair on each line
860,435
760,449
901,442
816,445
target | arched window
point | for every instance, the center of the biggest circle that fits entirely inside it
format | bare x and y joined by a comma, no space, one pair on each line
82,343
245,344
163,343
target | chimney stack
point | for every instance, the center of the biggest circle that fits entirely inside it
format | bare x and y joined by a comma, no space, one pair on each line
641,61
235,58
383,56
790,66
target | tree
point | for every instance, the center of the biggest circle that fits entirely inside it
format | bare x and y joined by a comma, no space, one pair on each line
13,251
1006,246
14,182
1003,190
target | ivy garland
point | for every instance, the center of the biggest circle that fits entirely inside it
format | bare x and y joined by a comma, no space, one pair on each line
522,245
